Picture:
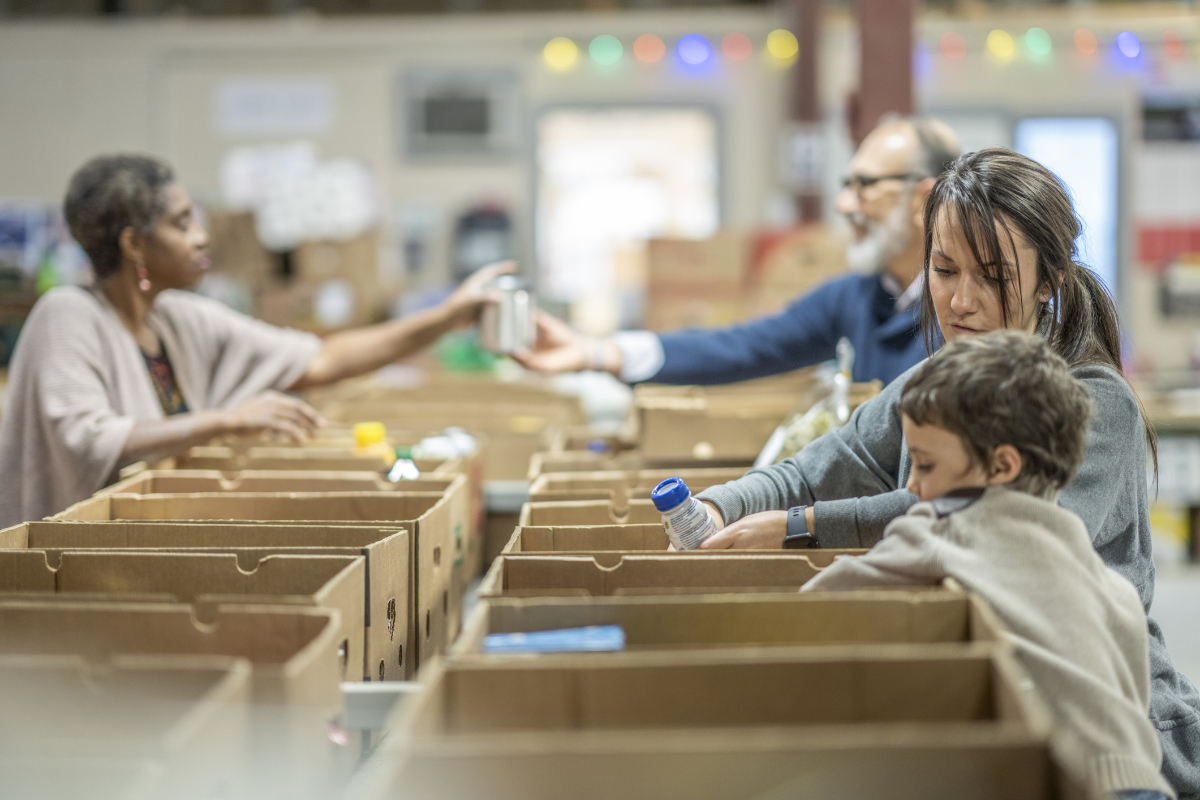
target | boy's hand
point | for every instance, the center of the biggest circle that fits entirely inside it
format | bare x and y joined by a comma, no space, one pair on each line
763,531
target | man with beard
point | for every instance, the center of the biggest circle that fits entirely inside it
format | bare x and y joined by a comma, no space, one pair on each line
874,306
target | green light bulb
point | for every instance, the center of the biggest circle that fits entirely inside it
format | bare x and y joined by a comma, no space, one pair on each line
606,50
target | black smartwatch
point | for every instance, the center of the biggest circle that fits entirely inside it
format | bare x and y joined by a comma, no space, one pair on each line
798,537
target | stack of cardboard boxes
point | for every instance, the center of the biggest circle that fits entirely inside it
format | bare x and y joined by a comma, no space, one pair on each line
192,625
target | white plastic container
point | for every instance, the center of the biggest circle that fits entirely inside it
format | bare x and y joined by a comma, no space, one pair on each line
687,521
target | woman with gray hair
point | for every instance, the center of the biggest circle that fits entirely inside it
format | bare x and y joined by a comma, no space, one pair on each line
131,368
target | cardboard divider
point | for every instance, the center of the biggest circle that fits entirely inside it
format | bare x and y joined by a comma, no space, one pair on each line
206,581
438,523
918,723
294,688
620,486
210,481
606,574
293,651
588,512
608,543
671,623
542,463
186,714
387,615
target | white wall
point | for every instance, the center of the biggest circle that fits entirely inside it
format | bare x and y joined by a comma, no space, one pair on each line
71,90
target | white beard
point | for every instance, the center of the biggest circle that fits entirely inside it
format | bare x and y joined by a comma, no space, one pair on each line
884,241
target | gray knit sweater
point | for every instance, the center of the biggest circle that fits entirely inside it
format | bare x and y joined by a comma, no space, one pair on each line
1024,555
854,479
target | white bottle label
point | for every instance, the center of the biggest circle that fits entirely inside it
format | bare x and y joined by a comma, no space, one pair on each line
689,524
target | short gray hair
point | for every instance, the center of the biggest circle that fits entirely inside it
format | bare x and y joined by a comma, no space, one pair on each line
936,146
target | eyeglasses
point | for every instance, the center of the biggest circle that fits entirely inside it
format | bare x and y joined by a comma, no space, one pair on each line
860,182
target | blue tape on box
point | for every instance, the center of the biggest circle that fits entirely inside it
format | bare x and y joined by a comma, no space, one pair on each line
595,639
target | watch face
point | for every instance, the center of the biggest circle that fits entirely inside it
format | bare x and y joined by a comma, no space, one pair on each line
799,541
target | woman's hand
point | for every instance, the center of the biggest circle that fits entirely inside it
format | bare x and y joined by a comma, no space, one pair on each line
763,531
272,411
469,298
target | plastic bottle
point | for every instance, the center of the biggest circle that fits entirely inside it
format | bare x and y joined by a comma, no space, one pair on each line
370,440
687,522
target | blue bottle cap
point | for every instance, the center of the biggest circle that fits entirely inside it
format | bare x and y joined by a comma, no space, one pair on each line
669,494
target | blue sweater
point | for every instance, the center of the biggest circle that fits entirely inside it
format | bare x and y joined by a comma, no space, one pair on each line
805,333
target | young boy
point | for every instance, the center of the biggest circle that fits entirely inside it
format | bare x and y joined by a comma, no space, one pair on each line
995,426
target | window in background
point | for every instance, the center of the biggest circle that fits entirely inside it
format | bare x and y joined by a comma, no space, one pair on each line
1085,153
608,180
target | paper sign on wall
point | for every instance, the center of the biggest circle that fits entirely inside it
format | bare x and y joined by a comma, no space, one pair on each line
273,107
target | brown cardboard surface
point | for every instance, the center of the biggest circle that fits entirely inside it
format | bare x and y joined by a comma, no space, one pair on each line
206,581
293,651
651,537
602,574
658,623
437,521
584,461
190,481
187,713
588,512
620,486
387,611
919,722
463,506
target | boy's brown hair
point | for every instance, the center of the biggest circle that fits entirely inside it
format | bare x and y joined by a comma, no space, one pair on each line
1006,387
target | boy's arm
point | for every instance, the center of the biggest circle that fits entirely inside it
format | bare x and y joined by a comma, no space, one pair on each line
908,555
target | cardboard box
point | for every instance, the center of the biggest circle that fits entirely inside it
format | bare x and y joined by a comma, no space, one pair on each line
604,574
917,723
324,459
293,651
437,522
607,543
387,615
774,620
588,512
206,581
207,481
620,486
294,681
692,423
466,522
188,714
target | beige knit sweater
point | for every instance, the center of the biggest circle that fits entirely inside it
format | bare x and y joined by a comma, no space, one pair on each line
1077,626
78,383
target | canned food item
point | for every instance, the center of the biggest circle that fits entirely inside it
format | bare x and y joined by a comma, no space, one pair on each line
509,325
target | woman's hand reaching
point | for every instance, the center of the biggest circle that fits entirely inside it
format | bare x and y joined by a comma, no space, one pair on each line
762,531
464,305
276,412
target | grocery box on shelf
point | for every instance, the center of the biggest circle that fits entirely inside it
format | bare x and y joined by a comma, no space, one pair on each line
619,487
438,524
387,612
767,620
205,581
187,715
326,459
589,512
544,462
923,722
603,574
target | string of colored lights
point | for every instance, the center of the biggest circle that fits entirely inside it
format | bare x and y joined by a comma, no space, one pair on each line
1037,44
562,54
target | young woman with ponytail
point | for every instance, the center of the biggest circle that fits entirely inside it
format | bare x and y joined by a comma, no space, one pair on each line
1000,252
